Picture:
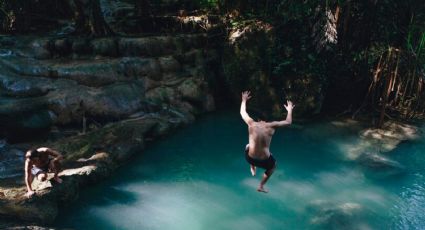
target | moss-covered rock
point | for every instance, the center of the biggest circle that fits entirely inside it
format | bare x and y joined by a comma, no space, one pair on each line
192,90
41,48
105,47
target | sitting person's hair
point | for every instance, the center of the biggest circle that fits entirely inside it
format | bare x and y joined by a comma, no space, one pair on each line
33,153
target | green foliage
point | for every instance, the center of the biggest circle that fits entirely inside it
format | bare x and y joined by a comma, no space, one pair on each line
8,12
416,43
21,15
365,31
209,4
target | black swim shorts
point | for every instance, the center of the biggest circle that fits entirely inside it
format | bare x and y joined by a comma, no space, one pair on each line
267,164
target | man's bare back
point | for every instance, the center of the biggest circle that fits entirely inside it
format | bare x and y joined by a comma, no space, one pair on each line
260,137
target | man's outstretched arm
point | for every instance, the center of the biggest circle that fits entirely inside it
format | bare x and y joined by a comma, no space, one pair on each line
289,107
245,97
28,176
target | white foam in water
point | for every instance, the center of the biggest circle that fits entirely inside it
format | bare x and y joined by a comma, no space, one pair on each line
168,206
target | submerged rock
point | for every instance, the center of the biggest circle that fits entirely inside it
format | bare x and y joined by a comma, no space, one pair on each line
386,139
380,166
390,135
329,215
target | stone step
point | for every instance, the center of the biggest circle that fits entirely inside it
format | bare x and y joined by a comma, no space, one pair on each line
68,104
13,85
152,46
45,102
93,72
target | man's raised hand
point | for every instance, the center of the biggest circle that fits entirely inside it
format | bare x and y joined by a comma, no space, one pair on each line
246,96
289,106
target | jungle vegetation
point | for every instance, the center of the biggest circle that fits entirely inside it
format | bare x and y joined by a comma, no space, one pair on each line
369,54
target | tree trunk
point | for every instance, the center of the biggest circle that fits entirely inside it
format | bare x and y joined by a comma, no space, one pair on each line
89,18
143,8
387,88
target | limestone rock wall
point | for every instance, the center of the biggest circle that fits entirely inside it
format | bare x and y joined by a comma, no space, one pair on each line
56,81
97,101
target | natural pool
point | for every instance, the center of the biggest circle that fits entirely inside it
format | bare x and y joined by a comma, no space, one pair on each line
197,178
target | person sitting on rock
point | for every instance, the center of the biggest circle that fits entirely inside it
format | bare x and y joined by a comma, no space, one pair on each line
38,162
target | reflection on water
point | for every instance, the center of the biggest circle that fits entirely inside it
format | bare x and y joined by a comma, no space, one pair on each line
198,179
411,212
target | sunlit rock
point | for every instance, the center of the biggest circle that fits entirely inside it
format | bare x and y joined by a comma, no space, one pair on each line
382,140
391,134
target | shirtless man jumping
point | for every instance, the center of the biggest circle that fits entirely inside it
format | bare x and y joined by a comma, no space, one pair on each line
38,162
257,152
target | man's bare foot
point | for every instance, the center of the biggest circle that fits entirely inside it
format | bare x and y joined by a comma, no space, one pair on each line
57,179
253,170
261,189
29,194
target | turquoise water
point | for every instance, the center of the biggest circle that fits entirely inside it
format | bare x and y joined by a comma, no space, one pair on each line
197,178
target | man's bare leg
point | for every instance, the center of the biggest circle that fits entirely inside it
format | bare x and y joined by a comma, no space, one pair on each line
253,170
55,168
267,174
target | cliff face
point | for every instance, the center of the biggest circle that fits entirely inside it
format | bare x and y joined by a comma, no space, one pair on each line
58,81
